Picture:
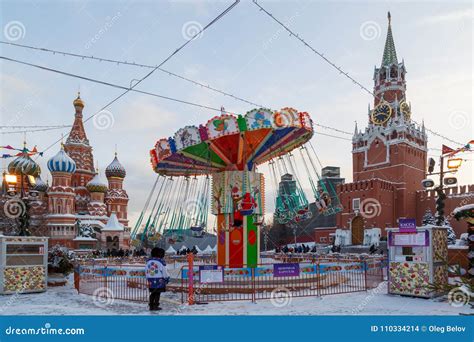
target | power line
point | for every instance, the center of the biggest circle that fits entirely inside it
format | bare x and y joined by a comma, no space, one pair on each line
333,136
333,129
117,62
35,126
100,59
220,110
339,69
113,85
182,46
34,130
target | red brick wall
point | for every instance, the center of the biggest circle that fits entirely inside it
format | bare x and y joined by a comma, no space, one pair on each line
378,194
456,197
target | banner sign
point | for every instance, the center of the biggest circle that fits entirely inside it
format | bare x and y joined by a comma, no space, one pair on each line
408,239
407,225
286,270
211,274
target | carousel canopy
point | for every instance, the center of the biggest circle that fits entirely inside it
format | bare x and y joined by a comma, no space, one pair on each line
229,142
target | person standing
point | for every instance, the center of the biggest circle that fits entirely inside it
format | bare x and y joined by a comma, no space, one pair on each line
157,277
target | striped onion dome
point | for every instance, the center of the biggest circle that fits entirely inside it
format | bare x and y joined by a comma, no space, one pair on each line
40,185
61,162
115,169
97,185
24,165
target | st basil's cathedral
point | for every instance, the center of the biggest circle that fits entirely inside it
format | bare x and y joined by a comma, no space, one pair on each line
78,210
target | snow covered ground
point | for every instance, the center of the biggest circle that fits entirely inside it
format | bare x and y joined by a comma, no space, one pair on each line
66,301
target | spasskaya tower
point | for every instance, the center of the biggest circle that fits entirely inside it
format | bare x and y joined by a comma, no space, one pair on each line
389,156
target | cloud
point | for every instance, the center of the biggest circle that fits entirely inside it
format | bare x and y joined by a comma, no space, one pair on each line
458,15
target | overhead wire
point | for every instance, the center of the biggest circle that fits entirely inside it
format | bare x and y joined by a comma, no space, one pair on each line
336,67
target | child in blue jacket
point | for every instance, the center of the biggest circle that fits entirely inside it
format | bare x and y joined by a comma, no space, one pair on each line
157,277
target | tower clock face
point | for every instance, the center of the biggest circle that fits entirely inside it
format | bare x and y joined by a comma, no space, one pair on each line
381,113
405,110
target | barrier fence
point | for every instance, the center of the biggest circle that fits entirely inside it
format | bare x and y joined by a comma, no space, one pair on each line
266,281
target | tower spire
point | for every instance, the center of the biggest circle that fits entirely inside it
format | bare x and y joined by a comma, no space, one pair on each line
389,52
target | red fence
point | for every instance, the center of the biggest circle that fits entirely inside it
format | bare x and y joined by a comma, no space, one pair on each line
320,278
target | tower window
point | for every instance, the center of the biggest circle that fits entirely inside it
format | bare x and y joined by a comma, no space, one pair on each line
394,73
356,204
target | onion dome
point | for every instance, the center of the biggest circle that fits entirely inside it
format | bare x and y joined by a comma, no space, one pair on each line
78,101
115,169
61,162
24,165
40,185
97,185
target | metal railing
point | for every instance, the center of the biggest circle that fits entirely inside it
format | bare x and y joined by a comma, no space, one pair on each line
322,277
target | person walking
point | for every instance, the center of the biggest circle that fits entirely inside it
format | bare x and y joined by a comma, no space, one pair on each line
157,277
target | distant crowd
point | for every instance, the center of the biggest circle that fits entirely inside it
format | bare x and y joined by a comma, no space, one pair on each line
120,253
298,249
306,249
186,251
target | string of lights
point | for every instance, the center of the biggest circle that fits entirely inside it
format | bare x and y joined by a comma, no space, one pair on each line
339,69
175,52
117,62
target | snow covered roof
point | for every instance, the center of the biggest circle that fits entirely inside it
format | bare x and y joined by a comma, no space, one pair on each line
170,250
84,238
96,184
113,224
208,249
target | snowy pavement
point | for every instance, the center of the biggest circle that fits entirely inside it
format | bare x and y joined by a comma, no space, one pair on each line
66,301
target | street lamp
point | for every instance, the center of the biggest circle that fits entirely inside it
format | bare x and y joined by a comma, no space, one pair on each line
453,165
10,179
10,182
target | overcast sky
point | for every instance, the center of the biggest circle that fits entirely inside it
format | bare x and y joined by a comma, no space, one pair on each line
246,54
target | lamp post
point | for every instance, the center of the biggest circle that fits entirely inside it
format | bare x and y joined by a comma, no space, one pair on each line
428,183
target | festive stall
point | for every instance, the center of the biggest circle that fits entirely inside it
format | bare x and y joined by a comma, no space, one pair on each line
23,264
417,260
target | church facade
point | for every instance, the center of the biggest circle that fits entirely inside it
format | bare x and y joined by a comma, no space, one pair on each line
78,210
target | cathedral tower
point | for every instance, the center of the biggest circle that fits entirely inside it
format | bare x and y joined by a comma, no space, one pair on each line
78,148
116,197
61,197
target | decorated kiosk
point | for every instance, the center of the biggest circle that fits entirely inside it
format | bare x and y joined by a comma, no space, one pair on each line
23,264
417,259
228,148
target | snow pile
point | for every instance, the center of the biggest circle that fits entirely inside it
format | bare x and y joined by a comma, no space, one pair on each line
66,301
463,208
